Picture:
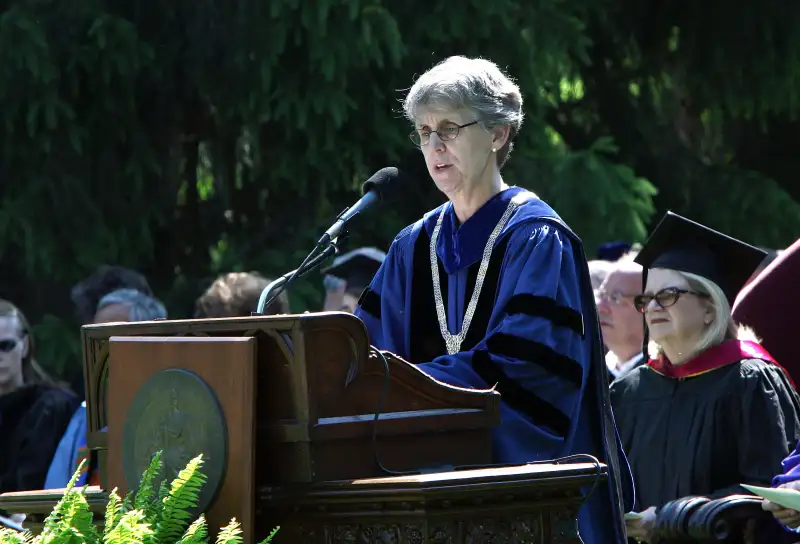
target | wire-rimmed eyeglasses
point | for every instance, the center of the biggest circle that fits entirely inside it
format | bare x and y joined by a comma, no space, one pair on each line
447,131
617,298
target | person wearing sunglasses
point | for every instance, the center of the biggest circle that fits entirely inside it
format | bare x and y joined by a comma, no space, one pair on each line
711,409
34,410
492,288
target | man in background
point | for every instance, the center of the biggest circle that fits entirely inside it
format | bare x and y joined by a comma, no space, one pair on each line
598,270
121,305
620,322
348,276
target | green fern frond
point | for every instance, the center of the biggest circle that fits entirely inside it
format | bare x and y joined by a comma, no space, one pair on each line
183,497
169,513
78,517
127,502
9,536
152,511
230,534
53,521
76,475
274,532
131,529
197,533
113,511
146,491
163,490
67,535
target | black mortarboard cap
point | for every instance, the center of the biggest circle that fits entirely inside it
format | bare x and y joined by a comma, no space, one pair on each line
357,267
680,244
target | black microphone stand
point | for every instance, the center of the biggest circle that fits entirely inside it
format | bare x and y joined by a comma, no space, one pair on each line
310,263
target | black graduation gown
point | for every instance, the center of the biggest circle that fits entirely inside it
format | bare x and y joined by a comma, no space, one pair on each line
32,420
706,434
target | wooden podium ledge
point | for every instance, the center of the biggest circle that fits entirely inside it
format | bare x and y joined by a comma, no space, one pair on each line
541,478
37,505
532,503
42,502
529,503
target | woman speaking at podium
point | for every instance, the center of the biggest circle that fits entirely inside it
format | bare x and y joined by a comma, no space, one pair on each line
493,289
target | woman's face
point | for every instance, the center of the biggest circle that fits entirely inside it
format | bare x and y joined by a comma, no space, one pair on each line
13,349
462,162
686,319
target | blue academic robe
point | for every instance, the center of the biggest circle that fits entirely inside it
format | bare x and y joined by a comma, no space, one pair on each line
791,473
534,335
791,469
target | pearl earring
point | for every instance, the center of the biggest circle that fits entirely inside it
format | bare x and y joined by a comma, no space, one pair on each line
494,150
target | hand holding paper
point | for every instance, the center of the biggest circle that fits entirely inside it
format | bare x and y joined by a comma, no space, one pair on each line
783,502
782,496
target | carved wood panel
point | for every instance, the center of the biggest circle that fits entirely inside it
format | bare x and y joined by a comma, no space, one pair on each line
531,528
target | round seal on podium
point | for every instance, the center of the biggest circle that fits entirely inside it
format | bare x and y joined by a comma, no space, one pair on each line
176,412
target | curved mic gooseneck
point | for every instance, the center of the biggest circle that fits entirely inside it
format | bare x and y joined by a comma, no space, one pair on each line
377,189
281,283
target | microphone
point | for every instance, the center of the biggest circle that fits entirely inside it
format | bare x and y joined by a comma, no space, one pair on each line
376,189
379,188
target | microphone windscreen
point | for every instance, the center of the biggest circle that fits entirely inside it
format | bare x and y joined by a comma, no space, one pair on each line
384,182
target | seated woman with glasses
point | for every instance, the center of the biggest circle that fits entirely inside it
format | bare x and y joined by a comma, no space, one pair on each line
711,409
492,289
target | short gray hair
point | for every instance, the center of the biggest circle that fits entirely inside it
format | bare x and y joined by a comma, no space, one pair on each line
475,84
598,270
142,307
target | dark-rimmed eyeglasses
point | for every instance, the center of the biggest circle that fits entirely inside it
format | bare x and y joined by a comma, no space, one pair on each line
7,345
447,131
664,298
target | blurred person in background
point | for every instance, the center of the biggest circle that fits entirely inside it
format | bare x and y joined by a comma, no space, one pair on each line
87,293
613,251
35,410
125,305
620,321
598,270
236,294
348,277
122,305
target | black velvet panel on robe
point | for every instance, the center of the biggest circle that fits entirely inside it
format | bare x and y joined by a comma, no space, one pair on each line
707,434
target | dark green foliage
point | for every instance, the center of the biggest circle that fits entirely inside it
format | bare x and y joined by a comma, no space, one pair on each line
186,139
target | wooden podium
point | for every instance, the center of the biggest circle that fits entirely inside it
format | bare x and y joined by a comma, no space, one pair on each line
283,408
274,401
